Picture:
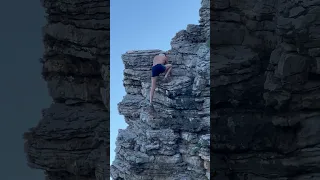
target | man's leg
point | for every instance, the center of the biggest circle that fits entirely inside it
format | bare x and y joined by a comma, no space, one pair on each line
153,88
168,70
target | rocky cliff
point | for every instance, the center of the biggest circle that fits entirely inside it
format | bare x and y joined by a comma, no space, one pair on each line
71,140
171,140
266,87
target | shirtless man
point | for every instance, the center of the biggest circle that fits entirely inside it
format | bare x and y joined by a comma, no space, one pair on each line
160,65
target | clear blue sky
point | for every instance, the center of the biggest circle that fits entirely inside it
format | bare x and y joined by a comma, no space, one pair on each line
142,25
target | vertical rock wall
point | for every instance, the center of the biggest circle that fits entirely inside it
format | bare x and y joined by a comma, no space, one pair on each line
170,141
265,98
71,140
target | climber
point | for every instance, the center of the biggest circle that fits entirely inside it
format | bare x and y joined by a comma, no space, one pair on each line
160,65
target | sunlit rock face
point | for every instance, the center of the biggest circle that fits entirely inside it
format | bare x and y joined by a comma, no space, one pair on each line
71,140
171,140
265,116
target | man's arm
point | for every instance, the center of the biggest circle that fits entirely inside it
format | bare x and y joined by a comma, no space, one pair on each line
166,60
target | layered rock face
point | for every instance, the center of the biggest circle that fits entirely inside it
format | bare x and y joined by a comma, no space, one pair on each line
71,140
266,83
171,140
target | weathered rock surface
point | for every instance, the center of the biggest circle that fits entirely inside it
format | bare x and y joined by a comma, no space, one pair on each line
265,116
170,141
71,140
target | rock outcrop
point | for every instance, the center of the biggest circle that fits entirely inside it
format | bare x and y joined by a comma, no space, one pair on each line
266,82
171,140
71,140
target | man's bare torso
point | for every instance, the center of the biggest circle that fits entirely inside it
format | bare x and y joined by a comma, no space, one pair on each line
159,60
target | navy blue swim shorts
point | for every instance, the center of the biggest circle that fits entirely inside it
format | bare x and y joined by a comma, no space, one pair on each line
158,69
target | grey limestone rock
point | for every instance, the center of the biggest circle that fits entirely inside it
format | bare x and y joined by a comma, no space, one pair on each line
71,140
171,140
265,96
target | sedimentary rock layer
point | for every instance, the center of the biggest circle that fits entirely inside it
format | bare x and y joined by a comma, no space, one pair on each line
171,140
265,96
71,140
